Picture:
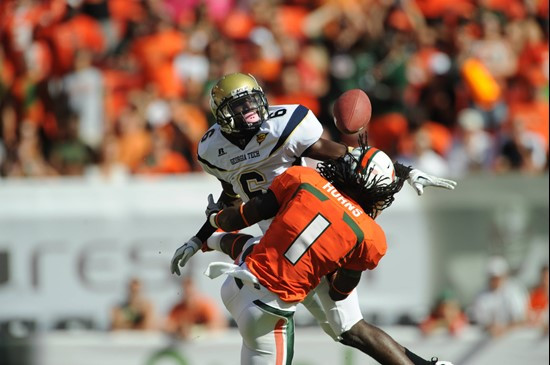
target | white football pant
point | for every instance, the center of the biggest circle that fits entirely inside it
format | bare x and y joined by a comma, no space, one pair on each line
340,315
265,322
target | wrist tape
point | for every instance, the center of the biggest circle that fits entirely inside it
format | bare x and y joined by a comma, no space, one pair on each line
214,241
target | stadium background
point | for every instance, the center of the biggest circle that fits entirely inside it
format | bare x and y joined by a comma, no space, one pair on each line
103,102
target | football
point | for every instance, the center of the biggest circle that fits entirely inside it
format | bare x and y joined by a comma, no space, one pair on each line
352,111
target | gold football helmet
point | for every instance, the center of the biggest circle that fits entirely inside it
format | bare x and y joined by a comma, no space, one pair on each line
238,104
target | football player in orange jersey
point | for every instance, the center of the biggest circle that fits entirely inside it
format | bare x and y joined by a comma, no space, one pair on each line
253,142
323,233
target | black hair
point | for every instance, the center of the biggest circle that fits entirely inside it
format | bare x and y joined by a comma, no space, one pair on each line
372,197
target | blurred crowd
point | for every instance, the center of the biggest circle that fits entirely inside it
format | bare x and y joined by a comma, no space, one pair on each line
108,88
192,315
503,305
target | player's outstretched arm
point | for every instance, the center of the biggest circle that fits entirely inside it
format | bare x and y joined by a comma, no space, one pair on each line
260,207
230,243
184,253
227,219
325,149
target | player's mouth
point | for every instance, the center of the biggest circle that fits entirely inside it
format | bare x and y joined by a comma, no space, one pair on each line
251,117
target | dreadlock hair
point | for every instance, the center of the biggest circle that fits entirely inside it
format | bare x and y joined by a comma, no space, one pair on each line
373,196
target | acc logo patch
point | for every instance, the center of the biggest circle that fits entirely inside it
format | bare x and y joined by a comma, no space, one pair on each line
261,137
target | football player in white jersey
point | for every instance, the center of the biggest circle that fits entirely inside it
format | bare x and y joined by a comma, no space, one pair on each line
252,143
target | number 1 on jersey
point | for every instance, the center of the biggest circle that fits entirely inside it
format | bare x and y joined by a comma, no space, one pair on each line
309,235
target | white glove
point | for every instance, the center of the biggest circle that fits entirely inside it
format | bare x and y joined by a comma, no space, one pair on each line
184,253
419,180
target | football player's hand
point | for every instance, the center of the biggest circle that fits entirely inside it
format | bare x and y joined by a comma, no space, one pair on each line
419,180
212,206
184,253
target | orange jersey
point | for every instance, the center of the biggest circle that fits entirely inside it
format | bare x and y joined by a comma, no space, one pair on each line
316,231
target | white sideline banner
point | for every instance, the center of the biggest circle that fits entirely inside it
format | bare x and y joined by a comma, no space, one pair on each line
68,248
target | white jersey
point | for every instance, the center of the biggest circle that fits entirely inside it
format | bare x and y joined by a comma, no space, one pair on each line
278,144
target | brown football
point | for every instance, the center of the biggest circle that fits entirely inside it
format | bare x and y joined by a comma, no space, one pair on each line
352,111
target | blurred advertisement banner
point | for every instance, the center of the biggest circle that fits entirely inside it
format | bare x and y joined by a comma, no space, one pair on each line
69,247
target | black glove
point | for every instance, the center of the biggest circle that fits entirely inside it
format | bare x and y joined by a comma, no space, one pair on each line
212,206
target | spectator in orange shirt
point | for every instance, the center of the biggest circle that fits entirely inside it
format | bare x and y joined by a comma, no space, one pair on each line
533,59
538,301
190,123
194,312
163,159
134,141
155,53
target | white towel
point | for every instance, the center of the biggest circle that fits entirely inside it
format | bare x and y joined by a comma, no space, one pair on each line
216,269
